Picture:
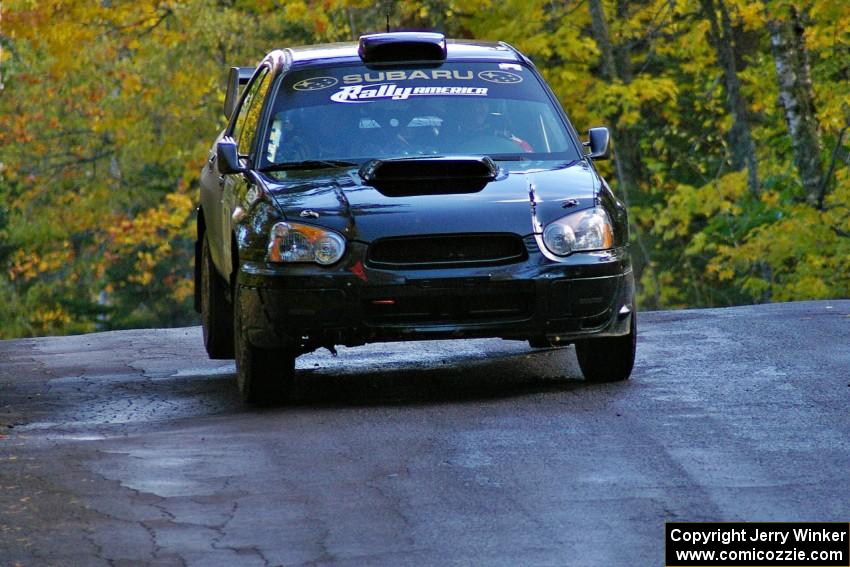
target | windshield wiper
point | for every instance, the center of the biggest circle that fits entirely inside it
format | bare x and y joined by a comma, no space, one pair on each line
560,163
510,158
308,164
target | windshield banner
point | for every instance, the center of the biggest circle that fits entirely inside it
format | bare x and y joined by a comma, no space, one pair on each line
347,85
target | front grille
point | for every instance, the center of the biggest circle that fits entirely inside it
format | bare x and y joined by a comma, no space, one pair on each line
446,250
438,302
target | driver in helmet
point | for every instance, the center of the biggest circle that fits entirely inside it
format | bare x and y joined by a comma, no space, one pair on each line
479,119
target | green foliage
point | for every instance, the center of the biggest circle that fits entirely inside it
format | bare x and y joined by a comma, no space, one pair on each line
109,107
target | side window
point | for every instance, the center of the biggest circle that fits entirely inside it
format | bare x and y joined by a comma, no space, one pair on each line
252,116
253,101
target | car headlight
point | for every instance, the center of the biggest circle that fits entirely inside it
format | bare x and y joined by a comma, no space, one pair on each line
579,232
296,242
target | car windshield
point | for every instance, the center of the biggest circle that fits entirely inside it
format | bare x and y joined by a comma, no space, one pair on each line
354,113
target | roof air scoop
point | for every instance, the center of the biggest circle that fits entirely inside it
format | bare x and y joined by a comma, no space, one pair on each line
397,47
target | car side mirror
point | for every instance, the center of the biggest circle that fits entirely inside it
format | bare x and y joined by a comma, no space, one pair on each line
227,156
599,142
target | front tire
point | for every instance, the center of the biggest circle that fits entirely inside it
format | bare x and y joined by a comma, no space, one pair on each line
610,359
264,376
216,310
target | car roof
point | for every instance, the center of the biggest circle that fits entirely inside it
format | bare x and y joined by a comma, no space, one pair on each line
456,50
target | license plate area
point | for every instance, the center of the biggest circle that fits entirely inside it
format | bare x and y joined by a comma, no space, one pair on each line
448,301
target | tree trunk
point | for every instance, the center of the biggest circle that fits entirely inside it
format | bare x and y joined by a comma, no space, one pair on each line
787,40
603,40
615,63
743,150
615,66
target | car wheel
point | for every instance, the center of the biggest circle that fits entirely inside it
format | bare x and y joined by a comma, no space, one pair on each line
609,359
216,310
264,375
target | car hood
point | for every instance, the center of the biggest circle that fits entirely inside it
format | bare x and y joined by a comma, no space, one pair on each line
523,195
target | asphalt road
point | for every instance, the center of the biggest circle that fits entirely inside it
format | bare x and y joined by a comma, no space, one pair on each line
128,448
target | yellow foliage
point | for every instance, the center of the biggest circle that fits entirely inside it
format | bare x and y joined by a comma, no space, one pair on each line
48,317
688,203
27,266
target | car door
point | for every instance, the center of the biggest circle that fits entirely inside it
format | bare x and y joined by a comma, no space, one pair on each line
244,133
218,190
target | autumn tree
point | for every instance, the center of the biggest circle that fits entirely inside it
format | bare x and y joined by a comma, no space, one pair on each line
741,146
729,119
107,111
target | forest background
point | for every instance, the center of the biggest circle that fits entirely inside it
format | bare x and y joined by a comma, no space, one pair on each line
729,118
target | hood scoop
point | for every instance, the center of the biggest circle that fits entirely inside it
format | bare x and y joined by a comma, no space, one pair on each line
439,175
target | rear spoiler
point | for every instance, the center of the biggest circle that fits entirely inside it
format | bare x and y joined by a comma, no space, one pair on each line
237,78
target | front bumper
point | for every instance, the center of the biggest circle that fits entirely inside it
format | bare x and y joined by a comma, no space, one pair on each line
306,306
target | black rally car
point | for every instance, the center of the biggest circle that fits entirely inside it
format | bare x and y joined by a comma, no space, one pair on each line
406,187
